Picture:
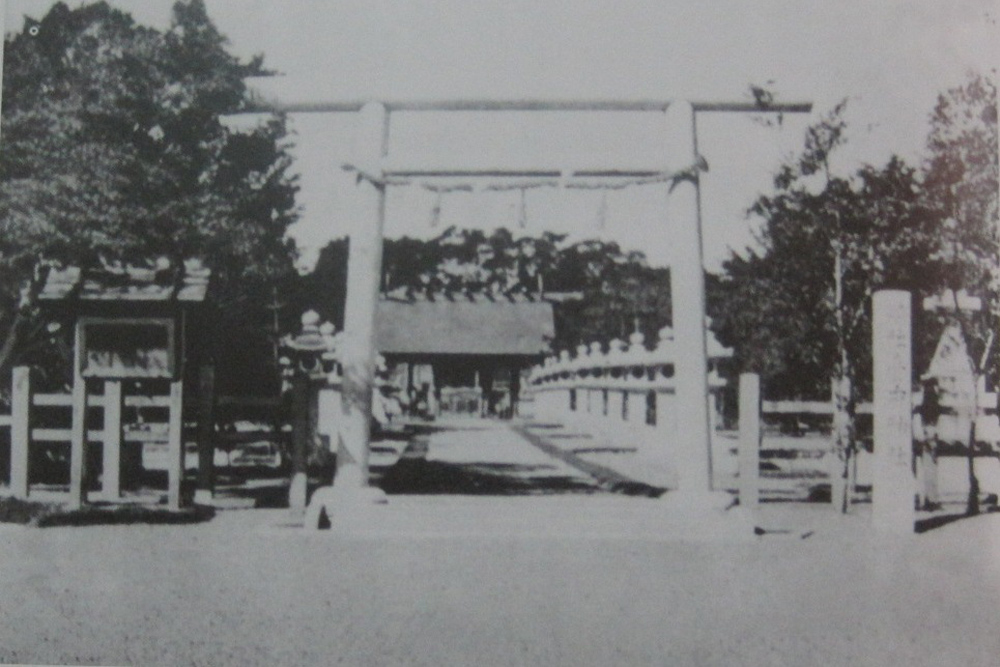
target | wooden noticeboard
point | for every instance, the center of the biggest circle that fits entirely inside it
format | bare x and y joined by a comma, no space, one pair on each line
127,347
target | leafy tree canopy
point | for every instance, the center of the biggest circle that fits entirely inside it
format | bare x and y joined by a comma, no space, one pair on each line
116,149
797,310
961,184
778,307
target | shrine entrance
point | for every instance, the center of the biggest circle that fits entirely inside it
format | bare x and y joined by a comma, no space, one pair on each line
461,354
375,173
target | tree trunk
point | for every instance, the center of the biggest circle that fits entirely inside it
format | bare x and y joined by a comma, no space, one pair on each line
844,443
843,417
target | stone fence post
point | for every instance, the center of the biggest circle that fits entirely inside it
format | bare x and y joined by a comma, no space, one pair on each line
20,431
749,443
893,484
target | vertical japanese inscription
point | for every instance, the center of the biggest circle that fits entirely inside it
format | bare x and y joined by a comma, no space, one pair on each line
893,484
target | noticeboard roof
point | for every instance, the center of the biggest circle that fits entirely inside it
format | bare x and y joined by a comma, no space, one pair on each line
164,283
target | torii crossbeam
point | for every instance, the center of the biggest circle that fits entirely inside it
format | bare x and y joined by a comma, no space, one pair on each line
691,447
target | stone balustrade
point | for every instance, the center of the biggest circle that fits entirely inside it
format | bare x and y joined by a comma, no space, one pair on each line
624,365
625,393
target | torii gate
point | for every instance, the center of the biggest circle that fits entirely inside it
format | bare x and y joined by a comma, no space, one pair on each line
691,447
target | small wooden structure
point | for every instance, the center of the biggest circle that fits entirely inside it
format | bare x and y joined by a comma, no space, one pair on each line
130,327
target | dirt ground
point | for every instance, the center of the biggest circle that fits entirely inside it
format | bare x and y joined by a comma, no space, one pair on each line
245,589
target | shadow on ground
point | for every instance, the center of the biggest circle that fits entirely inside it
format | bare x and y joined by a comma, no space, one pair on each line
43,515
419,476
941,520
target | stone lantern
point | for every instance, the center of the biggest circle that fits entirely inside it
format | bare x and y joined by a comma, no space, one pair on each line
308,357
309,351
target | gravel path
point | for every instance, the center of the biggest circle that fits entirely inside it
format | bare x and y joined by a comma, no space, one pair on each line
481,457
239,591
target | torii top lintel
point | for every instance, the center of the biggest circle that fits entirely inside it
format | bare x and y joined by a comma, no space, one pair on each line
264,97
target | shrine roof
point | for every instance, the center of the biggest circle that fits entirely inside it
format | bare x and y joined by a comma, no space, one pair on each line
187,283
464,324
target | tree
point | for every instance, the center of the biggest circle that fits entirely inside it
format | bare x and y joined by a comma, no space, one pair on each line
325,287
798,311
621,294
116,150
618,292
469,260
961,186
961,180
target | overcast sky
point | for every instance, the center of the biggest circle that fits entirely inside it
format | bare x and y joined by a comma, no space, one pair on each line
889,58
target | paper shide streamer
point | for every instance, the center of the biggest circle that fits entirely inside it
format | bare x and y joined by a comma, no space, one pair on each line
442,185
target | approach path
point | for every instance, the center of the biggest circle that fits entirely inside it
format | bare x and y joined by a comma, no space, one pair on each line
490,478
481,457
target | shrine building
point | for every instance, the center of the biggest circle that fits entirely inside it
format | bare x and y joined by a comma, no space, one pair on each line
467,351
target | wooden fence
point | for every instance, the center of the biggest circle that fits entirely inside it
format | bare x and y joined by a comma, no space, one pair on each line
24,435
765,452
44,419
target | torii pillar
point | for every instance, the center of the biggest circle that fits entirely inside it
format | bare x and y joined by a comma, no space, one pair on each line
357,351
691,445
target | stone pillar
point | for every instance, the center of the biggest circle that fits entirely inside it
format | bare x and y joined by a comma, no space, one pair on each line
357,350
20,431
301,437
893,485
928,477
537,401
206,435
364,267
713,413
78,433
749,444
615,399
111,450
665,417
554,408
661,449
328,412
515,390
687,291
175,445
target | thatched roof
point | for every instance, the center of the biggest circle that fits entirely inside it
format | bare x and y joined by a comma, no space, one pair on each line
464,325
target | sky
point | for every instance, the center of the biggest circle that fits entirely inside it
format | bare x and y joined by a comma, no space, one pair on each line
890,59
